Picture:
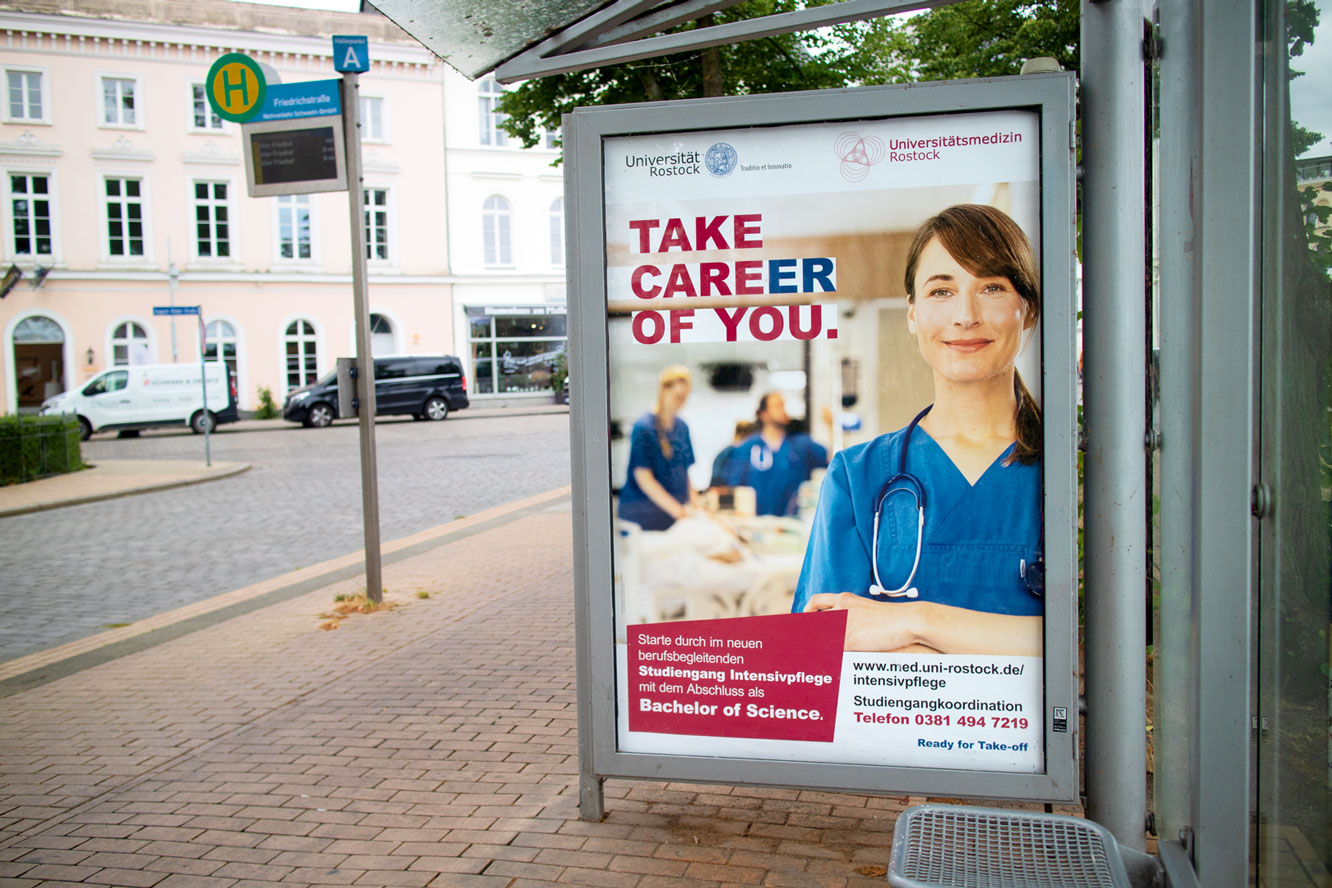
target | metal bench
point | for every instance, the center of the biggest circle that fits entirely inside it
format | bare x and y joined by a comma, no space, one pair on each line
959,846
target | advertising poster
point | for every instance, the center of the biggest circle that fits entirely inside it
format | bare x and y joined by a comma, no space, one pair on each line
826,441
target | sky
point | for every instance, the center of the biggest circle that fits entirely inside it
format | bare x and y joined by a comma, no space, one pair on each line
1311,95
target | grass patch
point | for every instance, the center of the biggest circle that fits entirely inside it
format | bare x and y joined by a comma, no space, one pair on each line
347,605
423,594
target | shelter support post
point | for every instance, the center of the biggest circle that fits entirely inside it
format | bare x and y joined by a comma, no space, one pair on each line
365,365
1116,491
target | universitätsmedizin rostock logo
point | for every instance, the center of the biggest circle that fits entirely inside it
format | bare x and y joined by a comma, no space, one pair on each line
721,159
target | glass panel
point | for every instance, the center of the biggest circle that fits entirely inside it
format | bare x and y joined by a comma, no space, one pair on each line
38,329
526,366
480,328
1294,746
531,325
484,383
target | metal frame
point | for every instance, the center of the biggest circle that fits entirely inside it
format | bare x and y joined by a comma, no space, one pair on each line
616,34
585,130
1116,489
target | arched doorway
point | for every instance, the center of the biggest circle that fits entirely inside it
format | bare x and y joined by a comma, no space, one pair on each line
39,361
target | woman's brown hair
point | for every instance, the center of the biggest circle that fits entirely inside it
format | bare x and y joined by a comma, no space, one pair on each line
987,243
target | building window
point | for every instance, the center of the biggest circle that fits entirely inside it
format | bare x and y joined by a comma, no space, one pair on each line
516,350
382,339
202,113
118,102
495,231
212,229
557,232
129,345
124,217
376,224
553,139
372,119
26,101
302,354
488,97
221,340
30,211
294,226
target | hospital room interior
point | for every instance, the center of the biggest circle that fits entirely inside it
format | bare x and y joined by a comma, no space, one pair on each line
725,560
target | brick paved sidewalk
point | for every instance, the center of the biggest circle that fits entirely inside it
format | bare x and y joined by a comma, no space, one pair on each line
433,744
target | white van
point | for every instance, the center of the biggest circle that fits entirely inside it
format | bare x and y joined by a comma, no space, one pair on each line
145,396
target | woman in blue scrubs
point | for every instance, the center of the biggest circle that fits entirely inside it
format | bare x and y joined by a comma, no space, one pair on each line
967,581
657,491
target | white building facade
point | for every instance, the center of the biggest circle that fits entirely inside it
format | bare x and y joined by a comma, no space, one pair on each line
120,191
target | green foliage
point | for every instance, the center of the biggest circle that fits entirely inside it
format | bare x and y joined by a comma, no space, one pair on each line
560,373
980,38
992,38
268,408
1318,224
34,447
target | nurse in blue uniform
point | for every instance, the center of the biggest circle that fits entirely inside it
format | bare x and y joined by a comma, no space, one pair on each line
657,492
773,462
930,537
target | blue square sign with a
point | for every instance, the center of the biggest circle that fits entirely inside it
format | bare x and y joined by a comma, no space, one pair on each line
351,53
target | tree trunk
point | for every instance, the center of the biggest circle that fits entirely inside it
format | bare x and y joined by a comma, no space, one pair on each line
712,66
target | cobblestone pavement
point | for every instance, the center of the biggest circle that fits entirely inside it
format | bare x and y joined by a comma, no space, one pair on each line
434,744
72,572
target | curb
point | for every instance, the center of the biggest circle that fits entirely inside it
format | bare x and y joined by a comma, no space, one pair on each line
129,491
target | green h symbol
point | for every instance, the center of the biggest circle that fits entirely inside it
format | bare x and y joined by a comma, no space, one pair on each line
228,87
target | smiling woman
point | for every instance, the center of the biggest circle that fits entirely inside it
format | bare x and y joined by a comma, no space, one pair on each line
930,536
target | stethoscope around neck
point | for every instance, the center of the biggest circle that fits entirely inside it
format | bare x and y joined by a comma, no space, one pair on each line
1033,574
902,482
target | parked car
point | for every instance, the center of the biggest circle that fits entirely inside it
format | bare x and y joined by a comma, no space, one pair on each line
145,396
424,387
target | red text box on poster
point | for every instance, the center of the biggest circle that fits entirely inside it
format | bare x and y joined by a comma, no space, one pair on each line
770,678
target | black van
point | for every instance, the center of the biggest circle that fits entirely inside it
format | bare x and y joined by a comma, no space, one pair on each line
426,388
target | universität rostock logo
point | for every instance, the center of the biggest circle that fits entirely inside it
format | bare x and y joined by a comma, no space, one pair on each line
858,153
721,159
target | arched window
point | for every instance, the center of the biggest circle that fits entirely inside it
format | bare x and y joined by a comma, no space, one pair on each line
302,354
382,340
495,231
129,345
557,232
222,341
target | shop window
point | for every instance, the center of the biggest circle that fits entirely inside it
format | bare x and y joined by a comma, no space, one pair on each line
515,352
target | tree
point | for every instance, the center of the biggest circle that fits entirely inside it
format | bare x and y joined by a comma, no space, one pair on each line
980,38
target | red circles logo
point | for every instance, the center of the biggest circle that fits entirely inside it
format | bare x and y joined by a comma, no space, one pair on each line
857,153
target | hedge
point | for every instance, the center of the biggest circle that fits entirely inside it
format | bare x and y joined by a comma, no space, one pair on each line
34,447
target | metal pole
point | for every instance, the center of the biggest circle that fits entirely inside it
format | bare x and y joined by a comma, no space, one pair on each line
173,276
203,379
1114,317
365,362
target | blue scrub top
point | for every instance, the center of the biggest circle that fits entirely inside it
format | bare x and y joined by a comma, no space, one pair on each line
975,537
671,471
775,476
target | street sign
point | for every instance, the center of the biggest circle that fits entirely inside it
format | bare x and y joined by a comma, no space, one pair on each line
351,53
236,87
309,98
175,310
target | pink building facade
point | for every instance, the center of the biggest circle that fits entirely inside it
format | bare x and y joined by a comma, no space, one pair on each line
120,191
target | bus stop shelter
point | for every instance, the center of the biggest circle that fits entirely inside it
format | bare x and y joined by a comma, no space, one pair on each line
1205,362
